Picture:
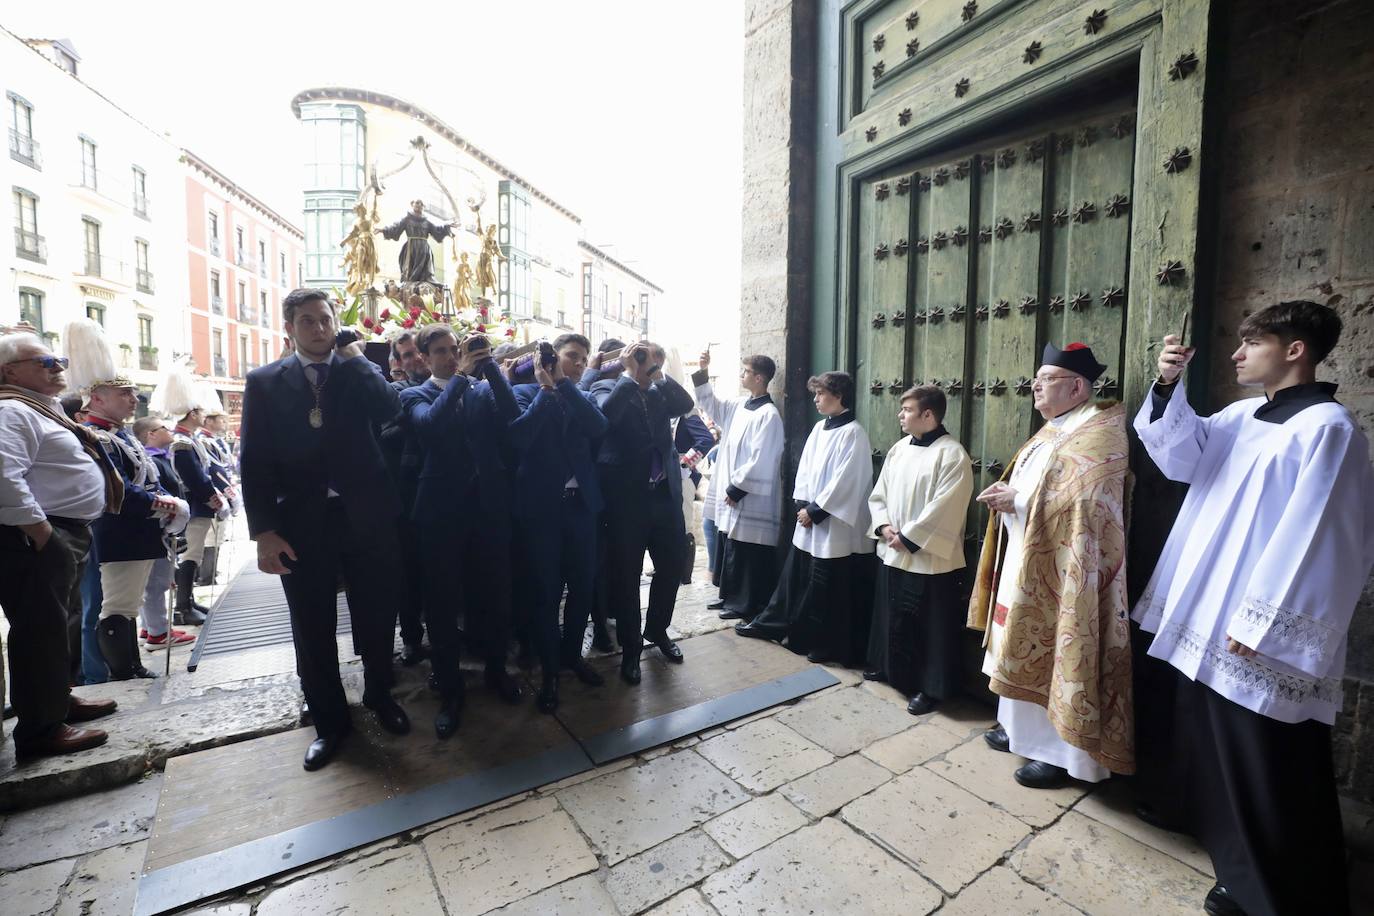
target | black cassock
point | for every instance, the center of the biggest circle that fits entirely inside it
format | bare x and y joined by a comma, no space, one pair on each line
917,622
822,605
417,262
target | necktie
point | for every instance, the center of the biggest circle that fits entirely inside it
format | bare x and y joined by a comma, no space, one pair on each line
318,373
655,465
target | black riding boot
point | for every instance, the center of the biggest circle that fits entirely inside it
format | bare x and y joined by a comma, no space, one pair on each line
118,638
188,612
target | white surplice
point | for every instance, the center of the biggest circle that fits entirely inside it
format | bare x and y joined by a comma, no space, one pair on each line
750,458
923,491
1272,547
835,473
1028,724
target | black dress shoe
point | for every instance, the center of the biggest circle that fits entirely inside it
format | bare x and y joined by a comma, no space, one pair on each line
412,654
629,670
9,711
1219,902
873,674
820,657
507,687
450,714
585,673
728,614
669,648
306,717
760,631
716,605
322,750
389,714
1150,815
997,739
432,682
1041,775
547,700
921,704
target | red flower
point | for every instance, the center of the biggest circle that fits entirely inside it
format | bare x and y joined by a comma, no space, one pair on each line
367,322
377,329
483,311
415,312
510,332
481,329
408,323
386,313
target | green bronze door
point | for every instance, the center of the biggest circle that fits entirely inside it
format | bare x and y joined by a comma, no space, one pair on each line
969,263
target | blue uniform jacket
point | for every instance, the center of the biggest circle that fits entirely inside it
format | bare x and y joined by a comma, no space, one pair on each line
553,440
465,477
134,533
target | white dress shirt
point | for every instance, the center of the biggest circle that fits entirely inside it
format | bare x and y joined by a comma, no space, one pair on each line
43,468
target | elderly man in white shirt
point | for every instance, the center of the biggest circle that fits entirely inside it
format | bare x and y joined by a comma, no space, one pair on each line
52,486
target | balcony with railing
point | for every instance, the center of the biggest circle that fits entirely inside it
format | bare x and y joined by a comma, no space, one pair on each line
247,314
214,245
217,305
244,261
144,280
140,205
24,148
147,358
262,269
30,245
221,368
107,268
266,318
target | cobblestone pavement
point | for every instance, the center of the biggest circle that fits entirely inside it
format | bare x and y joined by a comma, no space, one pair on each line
839,802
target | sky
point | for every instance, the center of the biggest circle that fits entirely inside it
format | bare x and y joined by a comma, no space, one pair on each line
629,112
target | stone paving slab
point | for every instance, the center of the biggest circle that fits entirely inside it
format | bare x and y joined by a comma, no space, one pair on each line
584,896
1001,890
688,903
104,883
843,721
988,774
657,874
904,750
34,891
634,809
755,824
947,833
824,868
831,787
1113,806
80,825
1104,872
396,882
763,755
506,855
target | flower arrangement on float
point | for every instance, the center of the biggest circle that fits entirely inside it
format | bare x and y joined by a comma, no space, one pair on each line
394,318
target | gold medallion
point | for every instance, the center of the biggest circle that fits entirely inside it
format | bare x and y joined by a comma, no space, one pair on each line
316,418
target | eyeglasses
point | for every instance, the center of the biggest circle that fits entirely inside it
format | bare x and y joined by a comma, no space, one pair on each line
1046,379
47,362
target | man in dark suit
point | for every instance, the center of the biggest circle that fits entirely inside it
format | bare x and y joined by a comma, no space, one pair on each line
321,506
461,508
403,463
642,486
557,499
692,440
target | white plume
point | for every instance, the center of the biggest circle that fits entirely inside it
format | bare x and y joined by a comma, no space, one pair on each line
92,360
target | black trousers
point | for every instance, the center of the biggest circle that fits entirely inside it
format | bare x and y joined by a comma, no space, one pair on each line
328,549
468,578
637,521
1261,797
750,571
40,591
561,549
921,619
411,591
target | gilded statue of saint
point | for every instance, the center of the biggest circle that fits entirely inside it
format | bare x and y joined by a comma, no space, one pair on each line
462,284
417,262
360,252
487,260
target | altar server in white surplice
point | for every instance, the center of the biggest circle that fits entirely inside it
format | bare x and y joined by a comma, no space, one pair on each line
823,597
1251,601
749,511
919,508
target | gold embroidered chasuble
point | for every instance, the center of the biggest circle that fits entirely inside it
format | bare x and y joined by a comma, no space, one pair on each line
1067,639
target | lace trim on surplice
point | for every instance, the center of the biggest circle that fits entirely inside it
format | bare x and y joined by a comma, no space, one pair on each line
1251,675
1305,633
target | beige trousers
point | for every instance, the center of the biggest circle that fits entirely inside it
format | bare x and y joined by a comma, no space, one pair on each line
197,531
122,585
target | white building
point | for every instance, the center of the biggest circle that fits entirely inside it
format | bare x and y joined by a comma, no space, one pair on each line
98,210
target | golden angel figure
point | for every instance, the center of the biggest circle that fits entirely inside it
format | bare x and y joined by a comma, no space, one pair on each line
487,260
360,251
462,284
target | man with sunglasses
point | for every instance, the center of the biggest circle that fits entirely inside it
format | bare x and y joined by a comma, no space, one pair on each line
1051,585
54,482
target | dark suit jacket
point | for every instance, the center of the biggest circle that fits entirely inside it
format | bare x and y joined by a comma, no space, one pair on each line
692,433
287,467
552,437
639,422
462,432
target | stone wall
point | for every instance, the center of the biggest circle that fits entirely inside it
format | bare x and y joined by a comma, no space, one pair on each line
779,101
1296,221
